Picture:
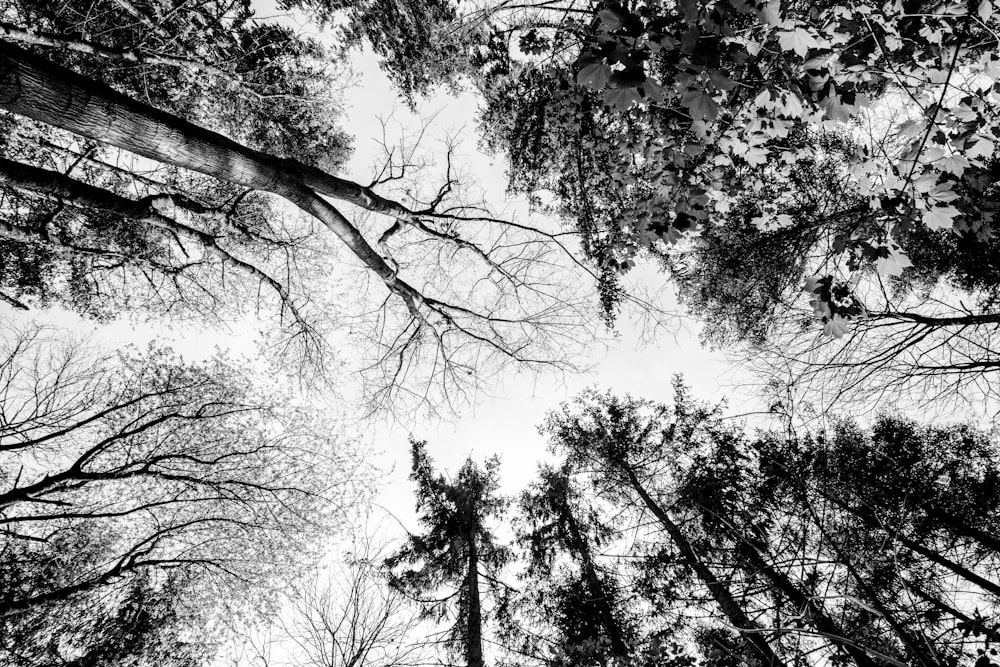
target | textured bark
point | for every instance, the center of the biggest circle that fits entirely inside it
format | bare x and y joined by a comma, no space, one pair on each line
34,87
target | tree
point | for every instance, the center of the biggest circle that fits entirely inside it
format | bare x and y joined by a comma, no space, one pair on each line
347,615
143,496
866,545
456,551
213,62
626,444
580,599
767,154
435,330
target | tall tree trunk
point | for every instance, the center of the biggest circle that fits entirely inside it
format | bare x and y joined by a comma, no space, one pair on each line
720,592
34,87
474,627
597,586
814,614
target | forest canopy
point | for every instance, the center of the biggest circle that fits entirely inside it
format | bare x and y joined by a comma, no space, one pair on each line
817,185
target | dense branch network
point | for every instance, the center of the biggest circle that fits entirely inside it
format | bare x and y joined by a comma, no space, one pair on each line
510,305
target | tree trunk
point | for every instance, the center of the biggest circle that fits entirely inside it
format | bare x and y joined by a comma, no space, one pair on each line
872,522
34,87
474,627
814,613
720,592
597,586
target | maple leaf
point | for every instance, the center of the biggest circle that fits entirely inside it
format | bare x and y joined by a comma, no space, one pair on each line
940,217
954,164
981,147
836,326
653,90
792,106
942,193
799,40
594,75
771,13
612,19
894,264
755,155
701,105
621,98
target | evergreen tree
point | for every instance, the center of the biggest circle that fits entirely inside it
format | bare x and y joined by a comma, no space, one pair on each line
457,556
570,588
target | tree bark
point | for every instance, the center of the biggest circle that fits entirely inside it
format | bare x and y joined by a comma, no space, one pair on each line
34,87
597,585
474,627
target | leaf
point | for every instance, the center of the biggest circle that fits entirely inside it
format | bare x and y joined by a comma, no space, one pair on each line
769,223
836,326
611,19
594,75
894,264
812,284
940,217
925,182
755,156
721,81
799,40
621,98
653,90
701,105
771,13
954,164
792,106
982,147
942,193
985,10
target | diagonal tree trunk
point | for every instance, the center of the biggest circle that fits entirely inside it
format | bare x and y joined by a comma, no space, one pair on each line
34,87
719,590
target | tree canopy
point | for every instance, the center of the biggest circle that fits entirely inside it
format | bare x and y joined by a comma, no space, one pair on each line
783,162
667,534
142,496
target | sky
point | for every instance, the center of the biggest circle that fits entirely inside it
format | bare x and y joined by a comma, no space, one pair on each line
505,420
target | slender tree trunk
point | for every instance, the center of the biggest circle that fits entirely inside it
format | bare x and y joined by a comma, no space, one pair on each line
597,586
720,592
959,526
474,626
815,614
991,633
51,40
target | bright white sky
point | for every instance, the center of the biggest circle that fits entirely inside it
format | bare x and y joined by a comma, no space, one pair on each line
506,421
